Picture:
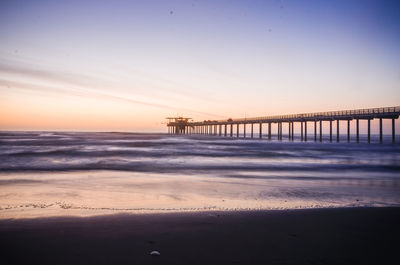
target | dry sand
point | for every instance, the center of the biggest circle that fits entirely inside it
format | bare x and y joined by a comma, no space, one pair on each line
314,236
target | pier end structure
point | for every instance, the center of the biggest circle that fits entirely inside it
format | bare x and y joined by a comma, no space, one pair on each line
180,125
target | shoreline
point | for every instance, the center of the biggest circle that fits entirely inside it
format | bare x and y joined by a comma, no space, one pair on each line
301,236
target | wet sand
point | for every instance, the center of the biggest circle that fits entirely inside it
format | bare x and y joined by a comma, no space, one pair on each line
312,236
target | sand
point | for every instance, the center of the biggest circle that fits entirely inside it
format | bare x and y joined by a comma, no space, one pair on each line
313,236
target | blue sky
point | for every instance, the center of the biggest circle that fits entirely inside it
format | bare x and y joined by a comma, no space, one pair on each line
128,64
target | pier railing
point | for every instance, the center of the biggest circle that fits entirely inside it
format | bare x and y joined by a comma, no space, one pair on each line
327,114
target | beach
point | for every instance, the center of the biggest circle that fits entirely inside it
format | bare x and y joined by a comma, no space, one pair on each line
312,236
113,198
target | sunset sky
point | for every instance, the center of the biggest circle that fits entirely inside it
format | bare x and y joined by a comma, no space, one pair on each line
126,65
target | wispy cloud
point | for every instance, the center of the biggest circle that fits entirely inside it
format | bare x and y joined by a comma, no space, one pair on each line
78,85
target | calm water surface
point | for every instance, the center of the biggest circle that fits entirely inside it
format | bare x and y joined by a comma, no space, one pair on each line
62,173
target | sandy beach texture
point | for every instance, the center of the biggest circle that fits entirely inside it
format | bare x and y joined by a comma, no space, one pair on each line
312,236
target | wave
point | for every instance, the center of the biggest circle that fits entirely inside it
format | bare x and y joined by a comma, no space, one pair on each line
66,151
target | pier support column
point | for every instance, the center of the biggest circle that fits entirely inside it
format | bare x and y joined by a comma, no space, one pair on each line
315,131
305,131
380,130
358,130
237,131
278,130
369,130
260,133
330,130
393,131
252,130
337,131
225,130
220,129
301,130
231,130
320,131
244,130
269,131
292,131
348,130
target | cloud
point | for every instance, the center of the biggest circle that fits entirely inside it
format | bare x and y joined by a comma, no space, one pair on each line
78,85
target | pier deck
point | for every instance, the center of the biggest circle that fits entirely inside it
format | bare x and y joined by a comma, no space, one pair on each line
226,127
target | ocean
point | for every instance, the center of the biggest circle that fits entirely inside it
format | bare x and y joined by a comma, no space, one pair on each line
87,173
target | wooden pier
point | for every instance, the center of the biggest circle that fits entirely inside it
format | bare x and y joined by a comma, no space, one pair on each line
226,128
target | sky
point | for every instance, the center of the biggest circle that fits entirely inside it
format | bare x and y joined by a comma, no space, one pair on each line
126,65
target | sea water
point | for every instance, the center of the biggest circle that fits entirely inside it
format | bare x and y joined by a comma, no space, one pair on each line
72,173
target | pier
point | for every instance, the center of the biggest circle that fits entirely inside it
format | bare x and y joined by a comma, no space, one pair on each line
180,125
